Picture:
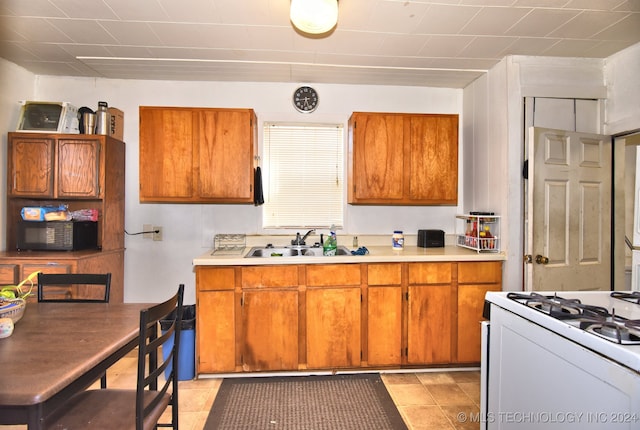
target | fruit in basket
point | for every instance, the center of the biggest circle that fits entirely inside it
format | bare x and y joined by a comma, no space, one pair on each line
17,291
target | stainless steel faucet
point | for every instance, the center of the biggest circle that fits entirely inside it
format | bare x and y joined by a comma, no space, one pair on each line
300,240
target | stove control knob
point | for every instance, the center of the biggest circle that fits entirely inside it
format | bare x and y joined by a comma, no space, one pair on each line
541,259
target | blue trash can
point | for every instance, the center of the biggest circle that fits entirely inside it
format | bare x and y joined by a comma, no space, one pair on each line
187,350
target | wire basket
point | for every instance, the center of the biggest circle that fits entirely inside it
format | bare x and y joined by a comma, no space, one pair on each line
13,308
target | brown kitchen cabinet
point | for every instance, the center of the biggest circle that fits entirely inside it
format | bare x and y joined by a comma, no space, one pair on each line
384,315
474,281
429,313
269,318
403,159
16,266
340,316
333,316
216,349
81,172
197,155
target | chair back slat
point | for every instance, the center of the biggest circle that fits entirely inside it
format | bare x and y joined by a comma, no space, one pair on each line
74,287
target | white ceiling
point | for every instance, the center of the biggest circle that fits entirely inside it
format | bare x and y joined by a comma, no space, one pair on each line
445,43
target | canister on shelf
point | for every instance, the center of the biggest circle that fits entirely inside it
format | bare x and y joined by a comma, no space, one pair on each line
103,118
397,240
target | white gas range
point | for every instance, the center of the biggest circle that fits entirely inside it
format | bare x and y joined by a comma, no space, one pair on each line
561,360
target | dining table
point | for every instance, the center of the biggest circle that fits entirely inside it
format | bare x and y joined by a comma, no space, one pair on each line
59,349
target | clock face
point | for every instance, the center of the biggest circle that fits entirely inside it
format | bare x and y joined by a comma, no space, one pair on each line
305,99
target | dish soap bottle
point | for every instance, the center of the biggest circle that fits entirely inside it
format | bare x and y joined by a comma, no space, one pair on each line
330,243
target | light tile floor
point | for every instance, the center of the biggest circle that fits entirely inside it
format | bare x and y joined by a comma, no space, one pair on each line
443,400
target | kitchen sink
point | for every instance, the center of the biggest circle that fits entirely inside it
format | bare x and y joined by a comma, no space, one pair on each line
296,251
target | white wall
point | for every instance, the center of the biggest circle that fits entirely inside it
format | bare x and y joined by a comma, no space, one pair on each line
16,84
623,99
153,269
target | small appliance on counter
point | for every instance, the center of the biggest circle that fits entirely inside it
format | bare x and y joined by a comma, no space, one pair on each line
430,238
57,235
48,117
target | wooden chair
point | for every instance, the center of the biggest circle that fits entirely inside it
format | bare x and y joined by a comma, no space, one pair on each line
61,289
140,408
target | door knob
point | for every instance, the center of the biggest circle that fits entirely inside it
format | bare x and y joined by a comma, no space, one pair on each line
541,259
528,259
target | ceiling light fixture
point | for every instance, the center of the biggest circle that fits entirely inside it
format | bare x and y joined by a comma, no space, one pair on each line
314,16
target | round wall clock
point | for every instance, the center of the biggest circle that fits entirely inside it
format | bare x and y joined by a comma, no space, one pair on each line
305,99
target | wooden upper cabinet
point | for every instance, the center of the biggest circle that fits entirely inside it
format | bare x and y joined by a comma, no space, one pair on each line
166,154
226,153
433,159
79,173
44,167
196,155
31,166
403,159
377,157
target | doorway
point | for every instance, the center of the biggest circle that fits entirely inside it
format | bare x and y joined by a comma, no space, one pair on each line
579,121
628,212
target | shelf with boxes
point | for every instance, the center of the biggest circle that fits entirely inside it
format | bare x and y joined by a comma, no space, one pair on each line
479,231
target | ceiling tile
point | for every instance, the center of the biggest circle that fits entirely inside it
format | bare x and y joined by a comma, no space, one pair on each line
46,51
493,20
95,9
486,47
541,22
529,46
36,30
401,17
402,45
627,29
131,33
576,48
445,46
201,35
586,24
148,10
15,52
83,31
444,19
29,8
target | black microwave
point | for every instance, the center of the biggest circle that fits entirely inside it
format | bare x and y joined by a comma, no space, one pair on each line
56,235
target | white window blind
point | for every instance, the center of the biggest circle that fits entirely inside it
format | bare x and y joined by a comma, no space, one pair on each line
303,175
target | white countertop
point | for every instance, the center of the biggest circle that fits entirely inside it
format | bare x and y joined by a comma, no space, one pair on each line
377,254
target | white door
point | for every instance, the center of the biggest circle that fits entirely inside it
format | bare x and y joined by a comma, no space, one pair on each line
568,211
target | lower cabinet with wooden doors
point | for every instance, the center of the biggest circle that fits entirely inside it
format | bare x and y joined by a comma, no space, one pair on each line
333,312
16,266
267,318
429,311
474,281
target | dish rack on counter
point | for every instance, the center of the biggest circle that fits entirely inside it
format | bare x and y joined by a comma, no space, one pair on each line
229,244
479,231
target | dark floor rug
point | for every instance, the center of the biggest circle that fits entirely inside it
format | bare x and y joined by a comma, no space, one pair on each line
335,402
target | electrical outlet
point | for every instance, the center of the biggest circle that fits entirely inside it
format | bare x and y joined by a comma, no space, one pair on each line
157,232
147,228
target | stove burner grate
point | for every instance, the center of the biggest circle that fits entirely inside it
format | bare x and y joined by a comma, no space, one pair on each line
596,320
559,307
615,332
633,296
